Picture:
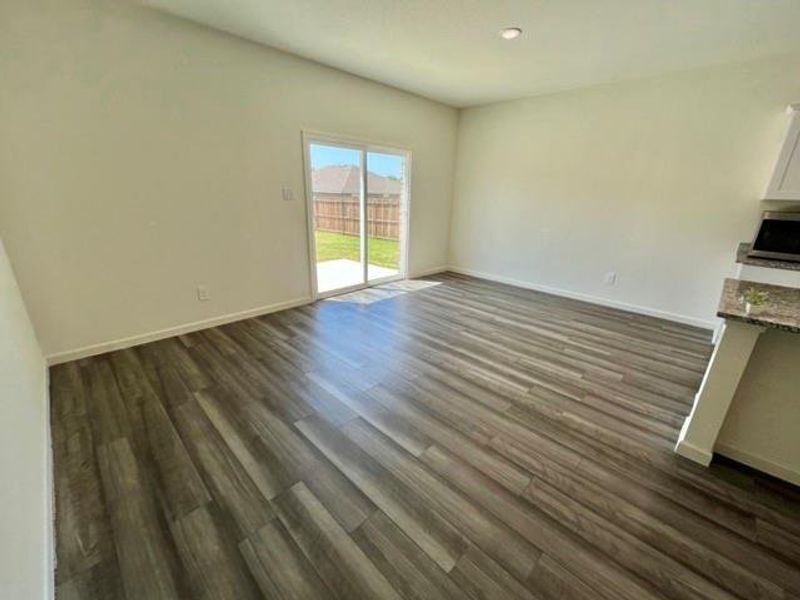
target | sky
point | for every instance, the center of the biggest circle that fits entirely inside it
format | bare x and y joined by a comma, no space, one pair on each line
389,165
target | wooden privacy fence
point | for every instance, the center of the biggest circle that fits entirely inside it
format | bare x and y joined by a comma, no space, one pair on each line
339,213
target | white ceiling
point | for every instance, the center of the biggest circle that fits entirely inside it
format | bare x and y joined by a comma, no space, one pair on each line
449,50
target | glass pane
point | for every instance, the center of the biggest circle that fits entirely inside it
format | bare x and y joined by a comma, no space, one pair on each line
385,199
336,193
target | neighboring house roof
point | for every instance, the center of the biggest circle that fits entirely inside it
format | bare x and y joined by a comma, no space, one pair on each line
344,179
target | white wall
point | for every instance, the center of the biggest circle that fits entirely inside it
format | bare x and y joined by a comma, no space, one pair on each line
25,494
141,155
657,180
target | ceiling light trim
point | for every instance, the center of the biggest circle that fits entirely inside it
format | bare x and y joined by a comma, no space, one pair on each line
510,33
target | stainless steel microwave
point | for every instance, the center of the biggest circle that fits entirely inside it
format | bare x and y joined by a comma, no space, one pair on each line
778,236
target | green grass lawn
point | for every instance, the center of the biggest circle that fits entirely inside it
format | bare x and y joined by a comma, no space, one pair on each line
332,246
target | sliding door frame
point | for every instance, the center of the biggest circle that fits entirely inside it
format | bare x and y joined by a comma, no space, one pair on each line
364,147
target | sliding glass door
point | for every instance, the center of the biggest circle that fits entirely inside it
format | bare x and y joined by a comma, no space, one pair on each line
385,204
358,207
337,197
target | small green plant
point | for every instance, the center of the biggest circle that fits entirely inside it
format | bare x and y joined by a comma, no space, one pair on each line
755,297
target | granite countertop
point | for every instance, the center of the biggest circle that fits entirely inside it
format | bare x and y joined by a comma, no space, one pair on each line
769,263
781,311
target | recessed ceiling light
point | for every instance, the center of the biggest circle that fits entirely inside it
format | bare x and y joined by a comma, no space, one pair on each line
510,33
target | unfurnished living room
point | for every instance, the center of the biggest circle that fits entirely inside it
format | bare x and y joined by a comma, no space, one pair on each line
381,299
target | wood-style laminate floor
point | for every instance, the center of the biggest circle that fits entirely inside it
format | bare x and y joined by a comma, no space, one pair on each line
468,440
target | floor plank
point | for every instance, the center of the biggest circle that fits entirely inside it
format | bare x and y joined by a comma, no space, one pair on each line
280,567
343,566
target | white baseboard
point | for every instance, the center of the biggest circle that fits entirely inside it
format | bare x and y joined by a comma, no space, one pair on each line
135,340
689,450
153,336
635,308
759,463
693,453
50,493
426,272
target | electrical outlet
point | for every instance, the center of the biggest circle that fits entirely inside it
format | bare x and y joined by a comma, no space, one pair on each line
287,194
611,278
203,293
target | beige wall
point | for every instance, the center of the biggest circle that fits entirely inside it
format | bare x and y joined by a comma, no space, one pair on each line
141,155
25,506
657,180
762,425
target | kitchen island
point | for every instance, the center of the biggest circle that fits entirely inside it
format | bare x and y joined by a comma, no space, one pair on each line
748,406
